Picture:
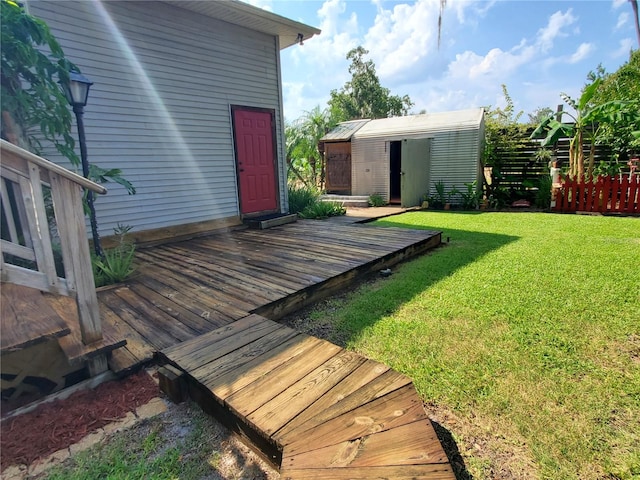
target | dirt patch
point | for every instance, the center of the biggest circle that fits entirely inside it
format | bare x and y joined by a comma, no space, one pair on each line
58,424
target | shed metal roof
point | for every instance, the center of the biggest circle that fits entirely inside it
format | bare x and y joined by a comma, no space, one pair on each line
417,124
248,16
344,131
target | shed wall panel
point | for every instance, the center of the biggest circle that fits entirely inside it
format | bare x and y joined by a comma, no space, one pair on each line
455,159
370,167
159,110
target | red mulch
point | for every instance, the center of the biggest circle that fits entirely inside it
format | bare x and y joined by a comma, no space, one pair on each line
61,423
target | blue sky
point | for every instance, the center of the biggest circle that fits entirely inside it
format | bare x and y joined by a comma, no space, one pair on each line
537,48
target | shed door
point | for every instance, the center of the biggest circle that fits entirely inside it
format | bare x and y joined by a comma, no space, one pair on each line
255,157
338,157
415,170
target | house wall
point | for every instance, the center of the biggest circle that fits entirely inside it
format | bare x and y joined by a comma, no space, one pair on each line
159,110
455,159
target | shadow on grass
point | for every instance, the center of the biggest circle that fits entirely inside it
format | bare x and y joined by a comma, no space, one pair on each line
450,447
460,248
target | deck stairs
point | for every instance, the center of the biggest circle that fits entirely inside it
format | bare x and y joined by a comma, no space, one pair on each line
31,318
313,409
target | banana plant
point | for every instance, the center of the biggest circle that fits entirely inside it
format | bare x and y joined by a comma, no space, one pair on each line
587,121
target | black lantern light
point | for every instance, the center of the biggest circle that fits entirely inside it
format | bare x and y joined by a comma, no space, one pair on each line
77,93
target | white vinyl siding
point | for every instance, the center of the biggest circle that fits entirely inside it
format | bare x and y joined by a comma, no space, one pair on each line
159,110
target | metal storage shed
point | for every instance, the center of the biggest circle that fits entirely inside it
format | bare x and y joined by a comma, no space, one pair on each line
401,158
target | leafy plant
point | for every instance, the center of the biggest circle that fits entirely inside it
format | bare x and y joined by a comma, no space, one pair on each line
301,197
543,194
33,104
471,198
116,264
376,200
441,197
504,135
588,121
320,210
304,160
451,195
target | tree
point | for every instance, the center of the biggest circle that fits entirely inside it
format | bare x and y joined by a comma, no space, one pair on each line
538,115
363,96
302,136
624,84
31,98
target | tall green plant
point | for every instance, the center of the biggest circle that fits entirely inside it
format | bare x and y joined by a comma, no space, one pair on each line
305,162
588,120
504,134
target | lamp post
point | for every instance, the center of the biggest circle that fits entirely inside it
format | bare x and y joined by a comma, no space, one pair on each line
77,92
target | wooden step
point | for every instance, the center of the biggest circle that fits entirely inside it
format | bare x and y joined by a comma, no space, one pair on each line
313,409
27,318
72,346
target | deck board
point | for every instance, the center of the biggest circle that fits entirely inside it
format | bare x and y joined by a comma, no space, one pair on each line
317,410
188,288
27,318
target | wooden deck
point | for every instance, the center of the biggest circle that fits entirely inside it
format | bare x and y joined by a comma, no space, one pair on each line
186,289
315,410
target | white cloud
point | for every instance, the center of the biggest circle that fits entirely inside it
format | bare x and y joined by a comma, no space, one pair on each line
336,38
618,3
554,29
400,38
623,18
626,44
581,53
322,60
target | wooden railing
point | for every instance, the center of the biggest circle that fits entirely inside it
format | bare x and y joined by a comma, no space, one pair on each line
30,186
616,194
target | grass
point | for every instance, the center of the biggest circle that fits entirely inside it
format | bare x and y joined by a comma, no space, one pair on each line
524,331
140,456
184,443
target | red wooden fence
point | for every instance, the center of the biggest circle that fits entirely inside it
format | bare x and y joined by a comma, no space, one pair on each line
620,193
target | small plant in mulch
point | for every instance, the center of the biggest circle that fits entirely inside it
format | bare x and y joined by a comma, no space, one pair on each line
61,423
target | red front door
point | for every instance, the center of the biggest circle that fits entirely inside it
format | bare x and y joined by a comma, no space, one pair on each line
256,160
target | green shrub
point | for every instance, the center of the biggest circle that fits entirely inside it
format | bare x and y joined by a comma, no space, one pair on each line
376,200
471,198
116,265
301,197
319,210
543,195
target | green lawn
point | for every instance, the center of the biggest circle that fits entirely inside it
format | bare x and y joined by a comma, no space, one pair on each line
523,333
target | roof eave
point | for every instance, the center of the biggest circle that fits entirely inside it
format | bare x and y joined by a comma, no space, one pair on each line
248,16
